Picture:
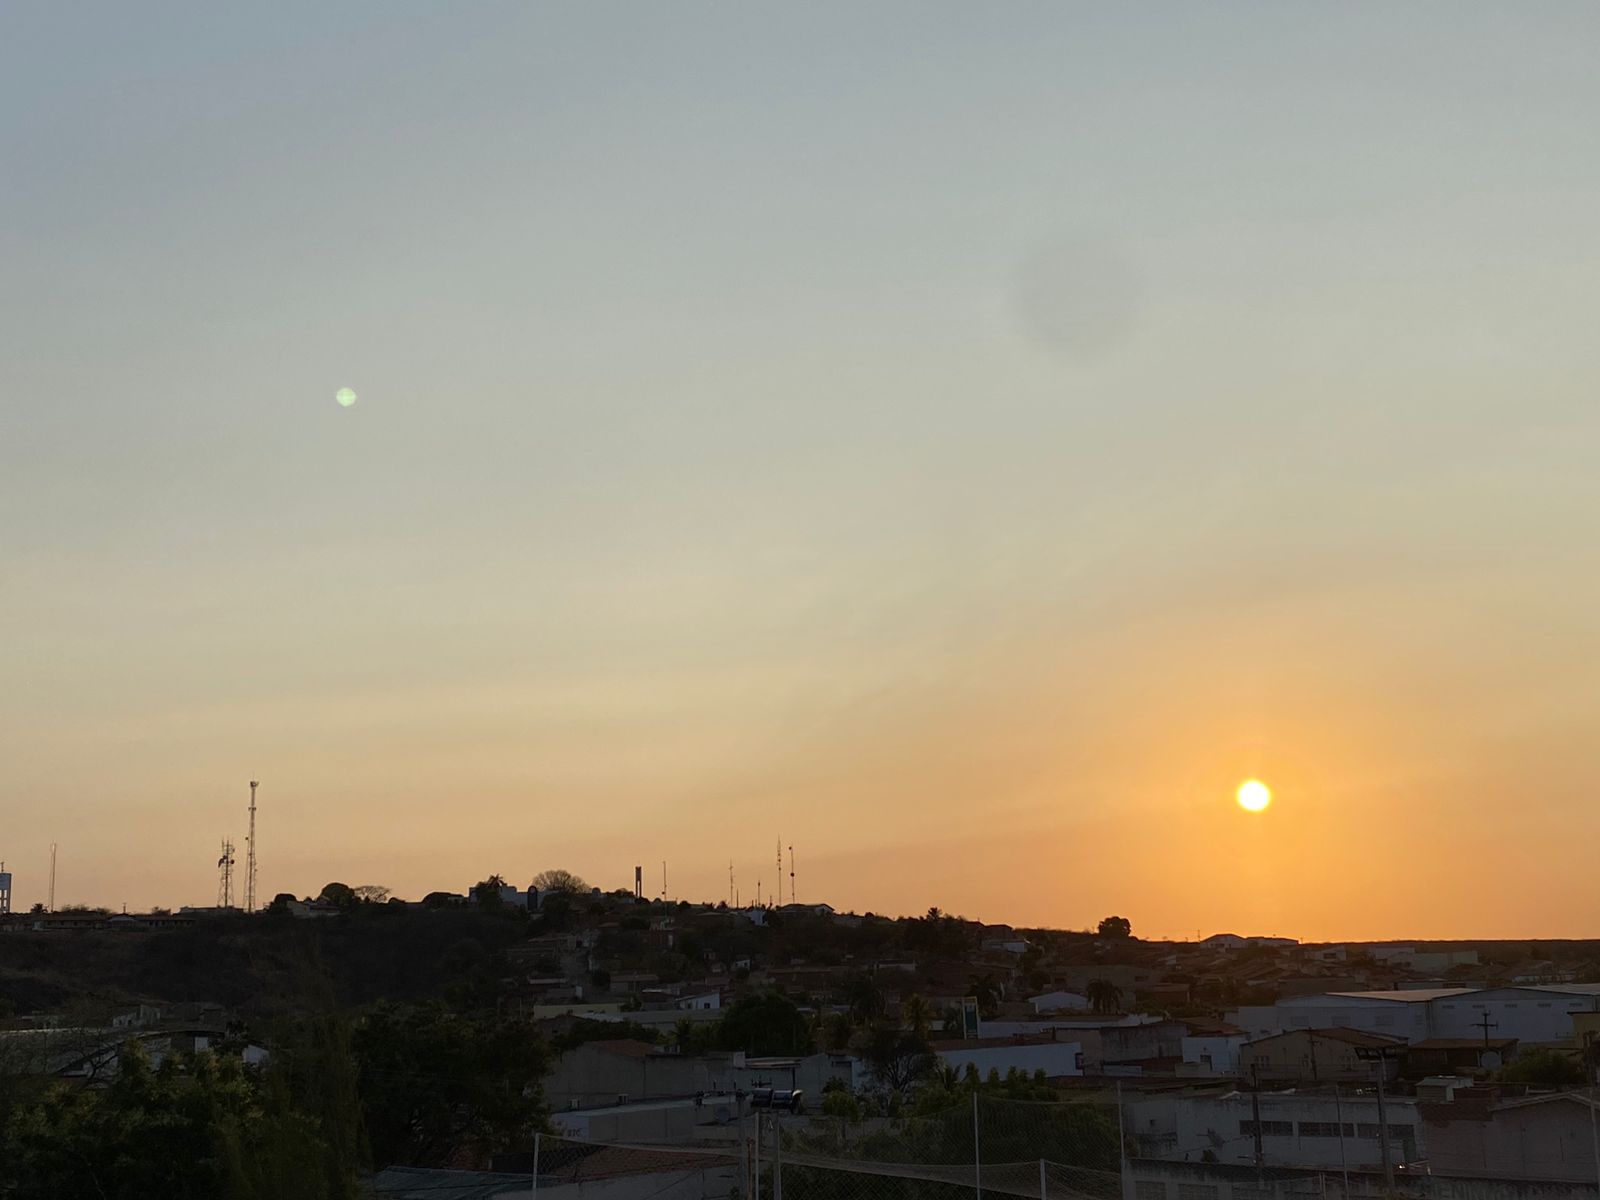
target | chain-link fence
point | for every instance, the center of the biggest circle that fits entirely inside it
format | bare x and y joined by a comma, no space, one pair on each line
963,1152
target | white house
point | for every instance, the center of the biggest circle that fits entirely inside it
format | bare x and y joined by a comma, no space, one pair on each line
700,1002
1059,1002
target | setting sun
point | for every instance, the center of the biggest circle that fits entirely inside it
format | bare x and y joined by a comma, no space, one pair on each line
1254,796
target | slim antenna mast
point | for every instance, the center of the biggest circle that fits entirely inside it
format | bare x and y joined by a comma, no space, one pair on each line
733,897
50,905
663,879
225,883
250,855
792,899
780,870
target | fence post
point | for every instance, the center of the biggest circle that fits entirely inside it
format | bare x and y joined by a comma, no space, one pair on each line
977,1153
1041,1179
755,1179
534,1192
777,1157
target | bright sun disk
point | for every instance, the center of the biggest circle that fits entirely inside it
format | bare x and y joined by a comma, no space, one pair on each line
1254,795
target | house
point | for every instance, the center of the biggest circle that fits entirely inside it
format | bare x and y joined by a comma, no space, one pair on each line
1538,1137
620,1071
1458,1056
701,1001
679,1120
625,1071
1232,941
1059,1001
1211,1053
1314,1056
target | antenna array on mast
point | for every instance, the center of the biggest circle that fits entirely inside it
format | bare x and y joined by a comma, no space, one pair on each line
250,855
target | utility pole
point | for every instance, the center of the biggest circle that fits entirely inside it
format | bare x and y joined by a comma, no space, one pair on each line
1338,1116
1125,1185
1380,1056
1255,1114
50,904
1594,1077
1485,1024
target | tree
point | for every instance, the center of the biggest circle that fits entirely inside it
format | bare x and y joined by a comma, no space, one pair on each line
486,893
209,1129
898,1059
1544,1068
835,1032
372,893
841,1105
769,1024
340,895
558,880
437,1087
865,999
917,1015
1115,927
1103,995
986,991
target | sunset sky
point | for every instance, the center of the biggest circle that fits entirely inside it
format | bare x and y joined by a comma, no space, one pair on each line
964,440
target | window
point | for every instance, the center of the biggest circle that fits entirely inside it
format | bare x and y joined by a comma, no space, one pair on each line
1197,1191
1268,1128
1328,1129
1149,1189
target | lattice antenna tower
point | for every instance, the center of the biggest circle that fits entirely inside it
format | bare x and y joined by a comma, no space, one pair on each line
250,854
225,876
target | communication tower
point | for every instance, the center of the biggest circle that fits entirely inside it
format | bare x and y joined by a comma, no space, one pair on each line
792,898
50,904
225,873
250,855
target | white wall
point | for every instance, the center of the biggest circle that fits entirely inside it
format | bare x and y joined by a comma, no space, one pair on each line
1183,1128
1054,1058
1218,1055
1527,1014
1051,1001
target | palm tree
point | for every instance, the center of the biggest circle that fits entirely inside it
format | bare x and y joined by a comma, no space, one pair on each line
865,998
1104,996
987,993
917,1014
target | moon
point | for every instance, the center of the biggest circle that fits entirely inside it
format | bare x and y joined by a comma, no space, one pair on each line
1254,796
345,396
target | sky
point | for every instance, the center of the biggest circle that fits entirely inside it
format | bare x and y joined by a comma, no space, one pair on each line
960,441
